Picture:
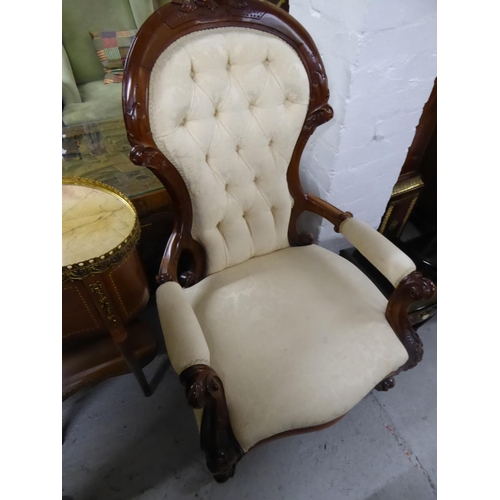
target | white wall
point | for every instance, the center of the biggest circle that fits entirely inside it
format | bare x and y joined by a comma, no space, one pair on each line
380,57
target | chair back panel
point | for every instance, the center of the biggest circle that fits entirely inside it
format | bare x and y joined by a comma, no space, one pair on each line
220,98
226,107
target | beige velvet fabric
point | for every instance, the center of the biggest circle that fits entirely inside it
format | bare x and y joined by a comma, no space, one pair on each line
384,255
226,108
298,338
186,344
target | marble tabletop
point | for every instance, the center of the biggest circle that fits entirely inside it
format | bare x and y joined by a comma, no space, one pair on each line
94,221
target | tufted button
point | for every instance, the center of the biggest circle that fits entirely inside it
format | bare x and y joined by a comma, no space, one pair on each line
255,179
252,105
238,149
206,158
266,62
228,66
216,112
183,122
192,73
271,142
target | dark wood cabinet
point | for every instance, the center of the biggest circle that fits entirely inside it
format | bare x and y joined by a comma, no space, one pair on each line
415,173
414,199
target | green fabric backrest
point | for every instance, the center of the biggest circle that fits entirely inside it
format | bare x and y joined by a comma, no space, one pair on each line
81,16
160,3
142,9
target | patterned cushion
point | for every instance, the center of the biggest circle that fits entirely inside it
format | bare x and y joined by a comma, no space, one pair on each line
110,77
112,48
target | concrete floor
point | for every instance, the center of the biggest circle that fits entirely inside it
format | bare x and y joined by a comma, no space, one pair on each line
120,445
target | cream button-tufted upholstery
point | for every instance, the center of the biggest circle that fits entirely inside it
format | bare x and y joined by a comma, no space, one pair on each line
298,338
226,107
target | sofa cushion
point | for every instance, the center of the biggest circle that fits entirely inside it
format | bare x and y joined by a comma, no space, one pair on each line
298,338
99,102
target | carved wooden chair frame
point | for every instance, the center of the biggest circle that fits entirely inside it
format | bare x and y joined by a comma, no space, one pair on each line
184,259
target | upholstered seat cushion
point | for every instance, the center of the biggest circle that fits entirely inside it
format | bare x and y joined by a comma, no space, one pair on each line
297,336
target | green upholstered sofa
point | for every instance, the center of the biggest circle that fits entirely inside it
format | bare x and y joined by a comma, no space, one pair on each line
85,98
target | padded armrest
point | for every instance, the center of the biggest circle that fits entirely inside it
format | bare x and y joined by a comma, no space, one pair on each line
384,255
186,344
70,92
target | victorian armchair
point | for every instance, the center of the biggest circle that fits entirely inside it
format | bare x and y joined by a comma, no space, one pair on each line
271,335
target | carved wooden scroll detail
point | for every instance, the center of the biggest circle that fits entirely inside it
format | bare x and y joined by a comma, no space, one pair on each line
144,156
192,5
184,258
319,112
238,4
317,117
204,389
413,288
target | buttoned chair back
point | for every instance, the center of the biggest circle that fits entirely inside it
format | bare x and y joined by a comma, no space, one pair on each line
223,100
226,107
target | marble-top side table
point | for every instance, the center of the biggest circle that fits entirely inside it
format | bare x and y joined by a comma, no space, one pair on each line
103,287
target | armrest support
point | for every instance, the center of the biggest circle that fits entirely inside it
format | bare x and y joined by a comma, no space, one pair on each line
70,92
326,210
384,255
186,344
190,357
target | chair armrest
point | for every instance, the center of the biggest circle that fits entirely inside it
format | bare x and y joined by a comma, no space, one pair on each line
190,357
380,252
186,344
384,255
70,92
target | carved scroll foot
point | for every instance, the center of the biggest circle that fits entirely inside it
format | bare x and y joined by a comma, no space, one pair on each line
222,478
386,384
204,389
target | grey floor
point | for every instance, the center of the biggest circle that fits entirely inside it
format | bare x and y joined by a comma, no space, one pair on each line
120,445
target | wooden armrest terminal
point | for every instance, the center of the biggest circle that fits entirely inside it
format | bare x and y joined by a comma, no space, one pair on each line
204,389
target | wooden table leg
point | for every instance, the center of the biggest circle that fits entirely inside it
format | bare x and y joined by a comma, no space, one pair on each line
135,367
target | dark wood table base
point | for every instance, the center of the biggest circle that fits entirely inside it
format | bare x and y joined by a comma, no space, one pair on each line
100,358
